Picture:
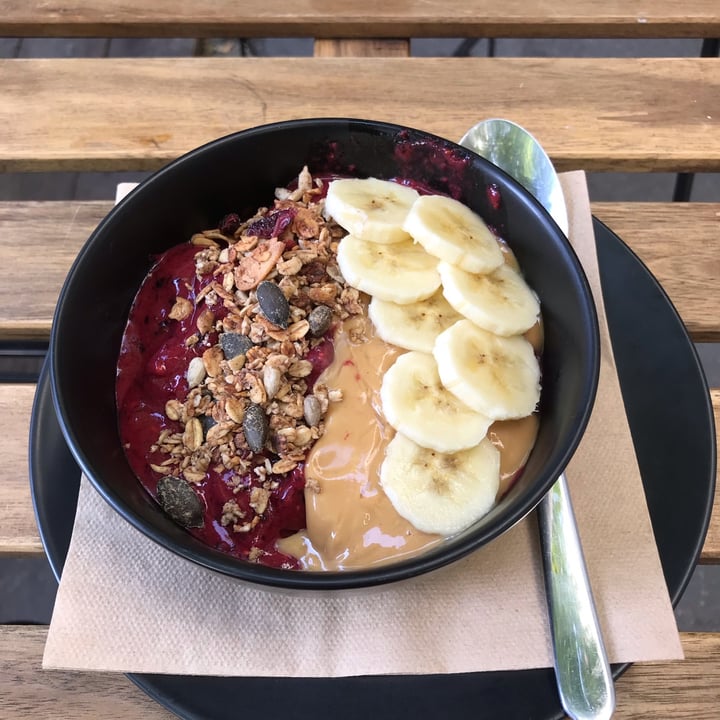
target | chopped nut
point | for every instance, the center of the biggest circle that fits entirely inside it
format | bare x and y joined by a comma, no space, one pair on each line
181,309
290,267
283,466
212,359
245,243
228,281
205,321
303,436
312,484
305,223
231,513
259,498
324,294
255,267
305,180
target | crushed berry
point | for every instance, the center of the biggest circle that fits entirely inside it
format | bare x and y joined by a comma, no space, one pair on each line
321,357
229,224
272,224
493,195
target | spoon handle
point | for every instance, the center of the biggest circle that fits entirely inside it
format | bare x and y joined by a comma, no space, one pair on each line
583,674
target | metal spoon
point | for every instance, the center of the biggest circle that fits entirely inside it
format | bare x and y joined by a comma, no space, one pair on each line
583,674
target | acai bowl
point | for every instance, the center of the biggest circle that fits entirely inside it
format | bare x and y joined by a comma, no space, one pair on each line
246,215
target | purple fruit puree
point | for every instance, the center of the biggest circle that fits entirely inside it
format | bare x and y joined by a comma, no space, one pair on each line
151,370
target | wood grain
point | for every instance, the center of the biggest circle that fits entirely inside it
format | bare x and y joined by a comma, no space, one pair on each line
55,232
18,533
686,689
27,692
710,552
348,18
680,244
638,114
39,242
354,47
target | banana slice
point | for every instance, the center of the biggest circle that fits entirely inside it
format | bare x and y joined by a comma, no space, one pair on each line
440,493
417,405
414,326
496,376
452,232
500,301
401,273
370,209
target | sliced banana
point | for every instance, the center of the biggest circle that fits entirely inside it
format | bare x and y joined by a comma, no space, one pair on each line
452,232
496,376
370,209
437,492
413,326
401,273
500,301
416,404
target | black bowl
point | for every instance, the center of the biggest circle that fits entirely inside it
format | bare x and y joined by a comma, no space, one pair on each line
238,173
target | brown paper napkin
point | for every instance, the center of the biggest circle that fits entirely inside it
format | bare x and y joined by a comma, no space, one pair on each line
125,604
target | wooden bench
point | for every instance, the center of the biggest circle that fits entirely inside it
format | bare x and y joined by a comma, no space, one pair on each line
637,115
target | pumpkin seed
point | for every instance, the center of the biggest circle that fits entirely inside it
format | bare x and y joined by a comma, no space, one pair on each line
320,319
273,303
180,502
234,344
255,427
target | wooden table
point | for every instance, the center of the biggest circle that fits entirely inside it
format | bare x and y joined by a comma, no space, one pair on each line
639,115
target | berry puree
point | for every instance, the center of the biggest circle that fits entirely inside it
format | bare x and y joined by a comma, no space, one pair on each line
188,398
151,371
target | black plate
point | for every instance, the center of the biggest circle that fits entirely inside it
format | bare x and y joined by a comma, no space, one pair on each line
671,418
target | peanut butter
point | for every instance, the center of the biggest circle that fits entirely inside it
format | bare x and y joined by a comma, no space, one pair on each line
351,524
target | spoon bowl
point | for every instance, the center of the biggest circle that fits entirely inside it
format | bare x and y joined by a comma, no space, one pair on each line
514,150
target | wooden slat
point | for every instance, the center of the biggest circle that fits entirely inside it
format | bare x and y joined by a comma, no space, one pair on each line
55,231
39,241
638,114
685,689
680,244
353,47
710,552
18,533
349,18
669,690
27,692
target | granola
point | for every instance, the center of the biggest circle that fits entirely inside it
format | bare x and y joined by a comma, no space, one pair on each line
270,295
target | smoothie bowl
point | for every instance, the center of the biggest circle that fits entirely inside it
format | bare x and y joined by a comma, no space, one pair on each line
325,354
